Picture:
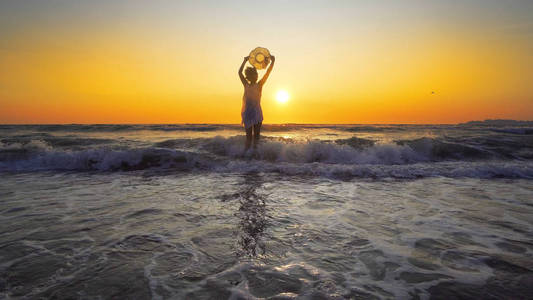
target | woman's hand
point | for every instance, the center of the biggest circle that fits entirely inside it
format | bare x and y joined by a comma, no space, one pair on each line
273,58
246,58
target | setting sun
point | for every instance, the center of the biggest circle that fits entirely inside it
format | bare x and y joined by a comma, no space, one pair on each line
282,96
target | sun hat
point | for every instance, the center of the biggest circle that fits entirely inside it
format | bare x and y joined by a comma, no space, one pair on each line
259,58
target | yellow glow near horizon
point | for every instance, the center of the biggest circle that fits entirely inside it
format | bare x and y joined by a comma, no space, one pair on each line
347,61
282,96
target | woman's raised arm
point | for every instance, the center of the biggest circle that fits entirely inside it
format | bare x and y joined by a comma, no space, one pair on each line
264,79
243,80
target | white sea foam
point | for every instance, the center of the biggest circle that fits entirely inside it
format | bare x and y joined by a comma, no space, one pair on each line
313,159
349,157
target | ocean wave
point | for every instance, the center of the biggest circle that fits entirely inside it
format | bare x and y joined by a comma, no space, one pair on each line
376,128
356,142
521,131
156,160
276,150
439,150
272,149
409,159
101,159
36,142
348,151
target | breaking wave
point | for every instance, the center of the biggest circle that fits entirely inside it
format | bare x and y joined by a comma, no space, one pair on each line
344,158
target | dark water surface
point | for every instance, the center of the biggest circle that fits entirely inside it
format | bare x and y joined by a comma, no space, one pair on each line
318,212
212,236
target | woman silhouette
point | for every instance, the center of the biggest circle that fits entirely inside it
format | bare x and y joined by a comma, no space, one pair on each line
251,113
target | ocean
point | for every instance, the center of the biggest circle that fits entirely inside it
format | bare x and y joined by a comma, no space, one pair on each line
316,212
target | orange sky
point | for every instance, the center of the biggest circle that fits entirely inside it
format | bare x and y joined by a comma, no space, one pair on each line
340,61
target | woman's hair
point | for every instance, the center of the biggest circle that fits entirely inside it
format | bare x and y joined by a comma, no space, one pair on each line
250,71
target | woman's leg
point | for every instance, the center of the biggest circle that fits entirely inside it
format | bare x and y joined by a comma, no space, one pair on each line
257,131
248,138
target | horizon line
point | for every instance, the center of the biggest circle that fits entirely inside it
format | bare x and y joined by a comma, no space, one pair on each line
288,123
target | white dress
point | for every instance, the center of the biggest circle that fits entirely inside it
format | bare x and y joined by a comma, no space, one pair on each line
251,112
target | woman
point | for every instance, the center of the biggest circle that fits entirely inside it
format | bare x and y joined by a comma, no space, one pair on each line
251,113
